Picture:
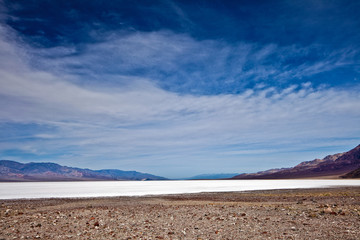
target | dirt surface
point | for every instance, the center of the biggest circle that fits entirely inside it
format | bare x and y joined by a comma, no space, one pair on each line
275,214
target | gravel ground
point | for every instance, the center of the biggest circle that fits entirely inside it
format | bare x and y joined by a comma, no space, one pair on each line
276,214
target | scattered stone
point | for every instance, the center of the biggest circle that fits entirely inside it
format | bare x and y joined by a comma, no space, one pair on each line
328,210
8,212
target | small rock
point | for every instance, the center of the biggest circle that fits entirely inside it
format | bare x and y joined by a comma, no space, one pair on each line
328,210
7,212
96,224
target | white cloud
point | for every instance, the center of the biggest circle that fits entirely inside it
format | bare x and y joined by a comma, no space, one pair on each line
181,62
137,123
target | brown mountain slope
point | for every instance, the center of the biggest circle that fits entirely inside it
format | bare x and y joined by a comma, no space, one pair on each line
352,174
337,164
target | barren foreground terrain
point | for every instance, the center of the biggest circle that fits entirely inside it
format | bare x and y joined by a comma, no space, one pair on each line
276,214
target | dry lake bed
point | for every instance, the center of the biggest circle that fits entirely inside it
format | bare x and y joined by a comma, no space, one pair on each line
316,213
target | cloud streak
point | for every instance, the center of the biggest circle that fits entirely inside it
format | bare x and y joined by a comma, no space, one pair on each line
180,63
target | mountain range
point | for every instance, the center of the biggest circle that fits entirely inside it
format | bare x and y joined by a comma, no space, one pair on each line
340,165
15,171
213,176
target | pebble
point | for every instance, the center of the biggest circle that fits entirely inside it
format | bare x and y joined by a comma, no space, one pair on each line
328,210
7,212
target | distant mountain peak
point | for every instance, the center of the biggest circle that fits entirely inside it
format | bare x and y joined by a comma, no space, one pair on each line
214,176
332,165
48,171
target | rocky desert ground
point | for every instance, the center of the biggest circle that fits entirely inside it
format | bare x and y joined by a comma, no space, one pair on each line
276,214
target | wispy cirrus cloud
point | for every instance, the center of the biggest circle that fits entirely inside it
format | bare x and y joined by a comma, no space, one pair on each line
180,63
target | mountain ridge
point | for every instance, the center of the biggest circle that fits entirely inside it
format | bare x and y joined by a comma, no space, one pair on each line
339,164
48,171
212,176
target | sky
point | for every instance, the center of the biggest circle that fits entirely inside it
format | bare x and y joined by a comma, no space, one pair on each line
178,88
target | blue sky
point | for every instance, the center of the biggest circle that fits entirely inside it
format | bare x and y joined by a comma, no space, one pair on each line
178,88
